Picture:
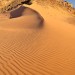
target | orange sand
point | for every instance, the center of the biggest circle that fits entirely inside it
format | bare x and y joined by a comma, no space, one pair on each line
34,51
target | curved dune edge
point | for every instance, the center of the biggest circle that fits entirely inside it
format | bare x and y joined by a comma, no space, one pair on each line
46,51
22,17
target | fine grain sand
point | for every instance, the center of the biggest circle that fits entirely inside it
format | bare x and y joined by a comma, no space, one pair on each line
27,49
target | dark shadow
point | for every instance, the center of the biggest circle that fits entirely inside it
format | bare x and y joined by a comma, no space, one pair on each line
17,13
71,20
27,2
23,11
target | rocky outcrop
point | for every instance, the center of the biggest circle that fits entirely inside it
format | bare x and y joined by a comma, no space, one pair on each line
7,5
68,6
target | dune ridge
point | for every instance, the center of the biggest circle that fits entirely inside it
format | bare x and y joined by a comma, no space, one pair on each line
34,51
22,18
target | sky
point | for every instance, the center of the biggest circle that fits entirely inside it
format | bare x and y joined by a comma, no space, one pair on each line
72,1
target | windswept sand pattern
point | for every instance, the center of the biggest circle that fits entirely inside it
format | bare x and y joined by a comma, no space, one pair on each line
48,50
21,65
19,56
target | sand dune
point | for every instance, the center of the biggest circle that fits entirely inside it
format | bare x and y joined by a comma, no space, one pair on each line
28,18
34,51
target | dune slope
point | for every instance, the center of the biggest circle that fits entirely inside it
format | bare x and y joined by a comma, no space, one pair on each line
34,51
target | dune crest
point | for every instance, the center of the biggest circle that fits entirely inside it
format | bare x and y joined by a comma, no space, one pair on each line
34,51
23,17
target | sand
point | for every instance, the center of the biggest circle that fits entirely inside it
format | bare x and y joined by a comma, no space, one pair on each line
49,50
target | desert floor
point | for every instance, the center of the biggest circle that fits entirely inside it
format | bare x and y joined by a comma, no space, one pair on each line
26,49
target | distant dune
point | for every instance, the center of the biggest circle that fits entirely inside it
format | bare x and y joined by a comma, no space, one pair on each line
27,49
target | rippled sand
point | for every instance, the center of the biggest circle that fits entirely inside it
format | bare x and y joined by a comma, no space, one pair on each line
49,50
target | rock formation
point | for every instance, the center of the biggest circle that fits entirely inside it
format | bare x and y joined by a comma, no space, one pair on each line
7,5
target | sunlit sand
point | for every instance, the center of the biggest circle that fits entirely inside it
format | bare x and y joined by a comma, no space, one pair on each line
37,40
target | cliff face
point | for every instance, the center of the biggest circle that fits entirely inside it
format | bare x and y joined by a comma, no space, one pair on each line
6,5
68,6
60,3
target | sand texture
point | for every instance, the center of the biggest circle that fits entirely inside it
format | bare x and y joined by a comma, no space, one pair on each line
35,40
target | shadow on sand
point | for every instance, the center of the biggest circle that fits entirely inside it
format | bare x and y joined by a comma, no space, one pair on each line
24,11
71,20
